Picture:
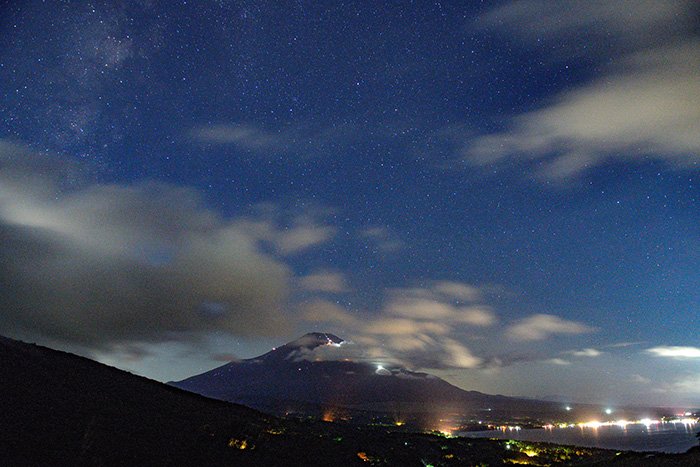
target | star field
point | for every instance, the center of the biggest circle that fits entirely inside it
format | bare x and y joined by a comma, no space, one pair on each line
476,189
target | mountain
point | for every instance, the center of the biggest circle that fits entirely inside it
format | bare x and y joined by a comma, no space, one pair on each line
292,374
59,409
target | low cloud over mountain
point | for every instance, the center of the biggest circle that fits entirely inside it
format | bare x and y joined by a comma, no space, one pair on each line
100,264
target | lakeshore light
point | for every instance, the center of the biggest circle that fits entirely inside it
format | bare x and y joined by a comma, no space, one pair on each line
592,424
447,432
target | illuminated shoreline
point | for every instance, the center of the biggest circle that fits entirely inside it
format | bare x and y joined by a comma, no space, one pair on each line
676,435
598,424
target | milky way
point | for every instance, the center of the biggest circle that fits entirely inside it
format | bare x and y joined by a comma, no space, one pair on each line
504,194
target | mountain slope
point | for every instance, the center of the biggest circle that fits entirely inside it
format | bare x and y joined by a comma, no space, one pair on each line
287,374
60,409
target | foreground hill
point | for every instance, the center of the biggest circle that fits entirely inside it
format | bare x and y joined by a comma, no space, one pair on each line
289,374
60,409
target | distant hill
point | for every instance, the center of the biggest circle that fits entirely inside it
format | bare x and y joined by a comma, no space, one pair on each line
286,375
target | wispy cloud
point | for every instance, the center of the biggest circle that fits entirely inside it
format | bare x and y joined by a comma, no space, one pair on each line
542,326
405,326
685,387
558,361
639,379
224,357
435,326
620,345
586,353
677,352
688,384
458,356
243,135
645,107
432,327
385,241
458,291
321,311
417,327
593,21
324,281
299,140
290,237
302,237
433,303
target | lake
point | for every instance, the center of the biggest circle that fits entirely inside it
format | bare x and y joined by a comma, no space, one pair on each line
661,437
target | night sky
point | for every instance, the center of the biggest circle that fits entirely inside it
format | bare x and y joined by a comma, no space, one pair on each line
503,194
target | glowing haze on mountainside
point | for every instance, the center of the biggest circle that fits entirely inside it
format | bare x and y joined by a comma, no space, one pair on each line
503,194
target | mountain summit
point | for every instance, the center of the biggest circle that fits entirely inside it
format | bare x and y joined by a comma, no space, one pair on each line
304,345
314,339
